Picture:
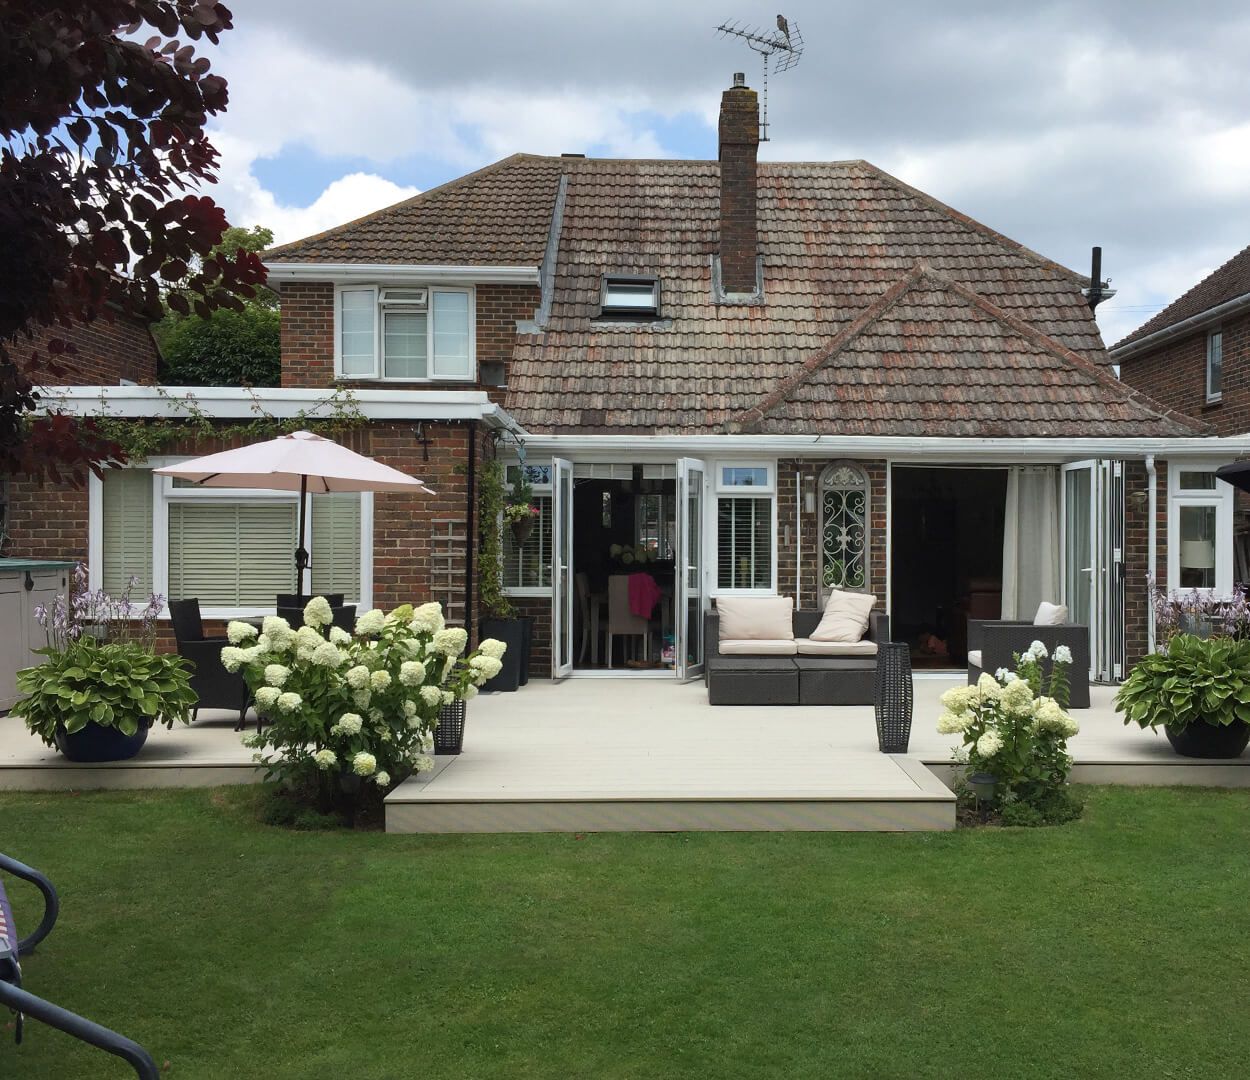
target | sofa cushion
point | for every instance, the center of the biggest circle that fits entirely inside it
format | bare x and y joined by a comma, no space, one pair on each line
757,647
1050,614
808,647
974,657
845,618
755,618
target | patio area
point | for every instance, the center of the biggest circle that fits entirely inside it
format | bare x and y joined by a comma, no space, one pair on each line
641,754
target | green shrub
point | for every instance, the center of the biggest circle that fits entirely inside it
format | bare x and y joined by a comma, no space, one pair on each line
1195,680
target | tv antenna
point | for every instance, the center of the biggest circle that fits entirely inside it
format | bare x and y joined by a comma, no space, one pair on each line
785,43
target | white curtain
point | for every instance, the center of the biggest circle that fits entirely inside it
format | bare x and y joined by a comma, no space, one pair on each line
1030,541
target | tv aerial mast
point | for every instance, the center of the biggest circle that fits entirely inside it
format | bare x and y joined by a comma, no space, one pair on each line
785,43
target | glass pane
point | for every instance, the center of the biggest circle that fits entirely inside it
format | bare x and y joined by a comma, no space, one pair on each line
744,476
1215,364
629,295
1196,481
527,564
1078,545
231,554
693,569
1198,550
403,345
844,531
451,335
127,533
744,543
357,311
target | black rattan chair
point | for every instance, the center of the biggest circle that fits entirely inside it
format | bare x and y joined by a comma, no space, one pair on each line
996,641
214,686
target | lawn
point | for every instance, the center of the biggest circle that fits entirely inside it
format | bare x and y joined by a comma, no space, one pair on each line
1114,947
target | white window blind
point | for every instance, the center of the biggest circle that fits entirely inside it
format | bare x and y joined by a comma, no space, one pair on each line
336,544
231,554
528,565
127,532
357,344
744,543
451,335
404,345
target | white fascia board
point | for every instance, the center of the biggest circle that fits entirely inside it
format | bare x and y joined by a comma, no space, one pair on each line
395,273
229,403
895,448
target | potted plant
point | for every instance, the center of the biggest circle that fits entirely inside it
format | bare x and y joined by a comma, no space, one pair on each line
1198,690
102,685
500,622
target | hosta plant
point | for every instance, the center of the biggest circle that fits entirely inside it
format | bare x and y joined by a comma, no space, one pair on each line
1194,680
351,715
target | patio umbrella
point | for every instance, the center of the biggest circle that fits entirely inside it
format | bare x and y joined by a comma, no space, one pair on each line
301,462
1237,474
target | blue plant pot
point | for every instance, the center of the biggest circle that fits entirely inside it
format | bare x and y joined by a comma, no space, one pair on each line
95,743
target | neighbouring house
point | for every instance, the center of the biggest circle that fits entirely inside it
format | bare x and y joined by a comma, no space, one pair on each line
1194,355
763,377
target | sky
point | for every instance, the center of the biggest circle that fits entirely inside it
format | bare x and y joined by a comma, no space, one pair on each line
1124,123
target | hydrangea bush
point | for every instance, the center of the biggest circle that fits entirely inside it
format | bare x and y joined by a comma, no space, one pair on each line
1015,726
350,715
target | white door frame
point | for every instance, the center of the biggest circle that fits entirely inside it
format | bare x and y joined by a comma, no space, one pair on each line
690,569
561,568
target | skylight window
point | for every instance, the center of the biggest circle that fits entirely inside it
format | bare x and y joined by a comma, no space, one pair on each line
630,296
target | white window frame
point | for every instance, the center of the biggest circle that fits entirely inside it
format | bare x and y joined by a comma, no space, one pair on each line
712,524
1221,497
164,493
537,489
1218,395
377,374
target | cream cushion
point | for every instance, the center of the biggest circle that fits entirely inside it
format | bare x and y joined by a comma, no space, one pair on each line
756,618
974,657
808,647
845,618
1050,614
758,647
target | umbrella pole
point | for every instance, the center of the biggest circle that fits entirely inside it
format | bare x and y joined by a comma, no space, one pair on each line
301,552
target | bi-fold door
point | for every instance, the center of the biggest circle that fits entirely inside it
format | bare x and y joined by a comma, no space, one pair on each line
1092,560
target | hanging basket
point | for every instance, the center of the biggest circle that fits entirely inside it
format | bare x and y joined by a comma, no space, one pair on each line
522,527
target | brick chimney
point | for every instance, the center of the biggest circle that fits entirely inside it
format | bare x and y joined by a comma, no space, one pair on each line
739,143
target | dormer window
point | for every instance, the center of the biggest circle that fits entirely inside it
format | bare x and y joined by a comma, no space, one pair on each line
630,297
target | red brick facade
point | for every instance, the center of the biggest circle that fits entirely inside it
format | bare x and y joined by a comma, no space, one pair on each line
106,352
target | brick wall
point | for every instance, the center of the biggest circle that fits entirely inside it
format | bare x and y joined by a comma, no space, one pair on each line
107,352
308,333
1175,374
1136,553
739,145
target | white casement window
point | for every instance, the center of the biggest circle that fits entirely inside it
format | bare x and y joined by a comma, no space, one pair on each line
527,564
232,549
1200,529
746,527
1215,365
405,334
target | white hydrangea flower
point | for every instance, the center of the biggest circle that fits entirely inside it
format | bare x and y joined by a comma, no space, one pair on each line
432,696
1017,697
492,647
448,697
232,658
1049,715
339,636
357,677
239,632
361,698
990,743
959,699
348,724
410,708
427,742
487,665
277,675
470,692
327,655
380,680
423,763
253,741
1063,655
289,702
1037,651
381,778
326,759
308,638
411,673
987,687
364,764
278,631
950,723
449,665
451,641
371,622
1001,674
267,697
317,612
427,619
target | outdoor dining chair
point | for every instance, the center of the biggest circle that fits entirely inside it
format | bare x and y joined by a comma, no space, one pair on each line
214,686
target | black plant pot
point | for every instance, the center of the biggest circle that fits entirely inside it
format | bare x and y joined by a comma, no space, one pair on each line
527,647
512,633
1209,740
95,742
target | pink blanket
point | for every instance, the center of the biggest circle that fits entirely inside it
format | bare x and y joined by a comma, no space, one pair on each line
644,594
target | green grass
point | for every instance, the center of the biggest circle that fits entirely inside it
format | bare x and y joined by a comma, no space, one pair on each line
1115,947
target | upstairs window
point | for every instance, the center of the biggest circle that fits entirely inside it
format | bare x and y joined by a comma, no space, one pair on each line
1215,365
632,297
410,334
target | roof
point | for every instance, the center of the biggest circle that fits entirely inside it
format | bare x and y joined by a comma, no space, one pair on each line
835,237
1227,283
931,355
497,216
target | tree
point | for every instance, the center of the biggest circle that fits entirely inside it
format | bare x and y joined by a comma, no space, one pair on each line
228,348
102,151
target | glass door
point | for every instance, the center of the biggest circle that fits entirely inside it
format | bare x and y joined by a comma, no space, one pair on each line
1083,530
690,593
561,568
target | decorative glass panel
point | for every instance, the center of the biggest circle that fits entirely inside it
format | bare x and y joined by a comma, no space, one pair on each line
404,349
451,335
357,312
744,543
1198,548
844,528
528,565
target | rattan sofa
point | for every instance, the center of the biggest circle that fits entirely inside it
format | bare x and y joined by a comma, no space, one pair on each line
995,643
791,680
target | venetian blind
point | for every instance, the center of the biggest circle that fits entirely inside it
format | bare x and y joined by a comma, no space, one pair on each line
231,554
127,532
744,535
336,544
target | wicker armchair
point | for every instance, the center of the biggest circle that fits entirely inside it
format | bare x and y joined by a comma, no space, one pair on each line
214,686
992,644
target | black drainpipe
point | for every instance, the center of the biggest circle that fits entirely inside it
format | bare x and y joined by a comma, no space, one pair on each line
471,496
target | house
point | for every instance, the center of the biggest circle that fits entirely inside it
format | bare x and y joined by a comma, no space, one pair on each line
771,377
1195,356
